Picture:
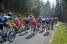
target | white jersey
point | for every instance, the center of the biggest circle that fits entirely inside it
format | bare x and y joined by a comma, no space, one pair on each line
43,19
6,16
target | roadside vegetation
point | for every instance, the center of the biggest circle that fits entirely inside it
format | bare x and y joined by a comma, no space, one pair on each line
60,36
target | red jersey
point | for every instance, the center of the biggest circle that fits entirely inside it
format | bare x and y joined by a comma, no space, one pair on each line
34,21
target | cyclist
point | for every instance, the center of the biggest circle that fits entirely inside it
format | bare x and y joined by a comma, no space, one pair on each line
39,19
27,22
4,26
52,23
34,23
48,22
22,25
56,20
43,23
4,19
17,22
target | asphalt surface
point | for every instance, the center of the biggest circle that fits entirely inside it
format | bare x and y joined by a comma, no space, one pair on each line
29,38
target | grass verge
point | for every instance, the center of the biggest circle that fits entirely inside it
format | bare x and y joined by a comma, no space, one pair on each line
60,36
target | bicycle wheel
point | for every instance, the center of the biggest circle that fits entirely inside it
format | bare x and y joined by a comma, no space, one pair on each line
1,39
11,37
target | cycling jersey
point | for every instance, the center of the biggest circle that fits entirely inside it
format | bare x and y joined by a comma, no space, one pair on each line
7,17
27,20
48,20
39,20
17,21
52,21
22,20
3,21
34,21
43,20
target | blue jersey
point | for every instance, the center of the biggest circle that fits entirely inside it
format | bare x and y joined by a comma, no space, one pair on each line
4,19
7,17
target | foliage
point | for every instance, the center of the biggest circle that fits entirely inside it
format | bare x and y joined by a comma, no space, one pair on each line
60,36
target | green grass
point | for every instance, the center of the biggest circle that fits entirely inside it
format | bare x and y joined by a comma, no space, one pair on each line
60,36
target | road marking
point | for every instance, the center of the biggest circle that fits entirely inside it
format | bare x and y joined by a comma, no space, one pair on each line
52,38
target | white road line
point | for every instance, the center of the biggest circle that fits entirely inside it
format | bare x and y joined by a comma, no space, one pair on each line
52,38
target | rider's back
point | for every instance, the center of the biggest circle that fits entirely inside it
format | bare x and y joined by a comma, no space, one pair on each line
34,21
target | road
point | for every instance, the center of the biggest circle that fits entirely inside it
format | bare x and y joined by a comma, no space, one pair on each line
29,38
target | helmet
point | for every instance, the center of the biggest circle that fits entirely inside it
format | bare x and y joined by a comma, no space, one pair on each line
9,14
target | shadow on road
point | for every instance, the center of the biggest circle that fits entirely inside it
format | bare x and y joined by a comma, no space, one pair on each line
41,31
23,34
30,36
46,34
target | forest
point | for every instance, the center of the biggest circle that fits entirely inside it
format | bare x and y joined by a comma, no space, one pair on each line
35,7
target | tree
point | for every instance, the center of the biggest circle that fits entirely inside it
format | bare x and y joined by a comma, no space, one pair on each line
64,10
33,7
2,5
46,9
21,6
59,9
